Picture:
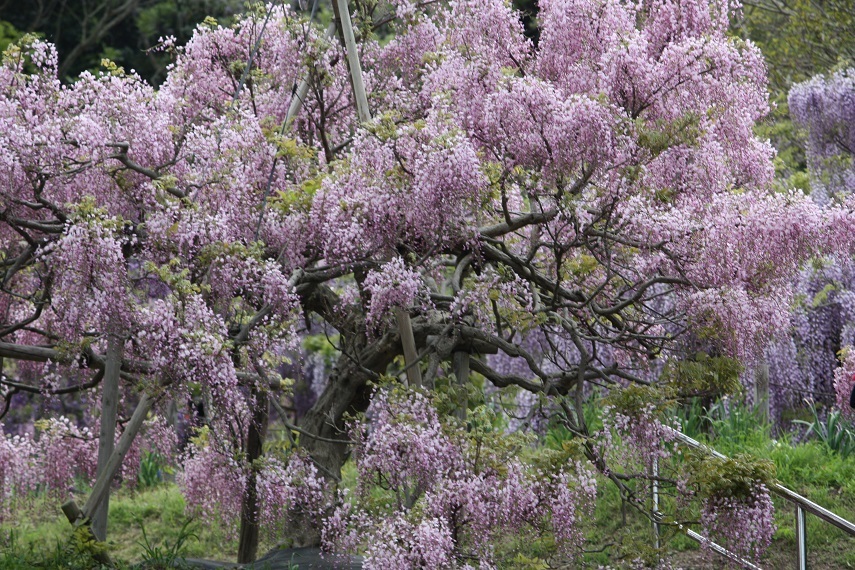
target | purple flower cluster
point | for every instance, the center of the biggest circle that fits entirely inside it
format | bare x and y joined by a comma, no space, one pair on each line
642,438
186,342
405,445
825,106
288,489
393,285
398,543
804,364
50,463
19,474
213,482
844,382
743,526
47,464
449,498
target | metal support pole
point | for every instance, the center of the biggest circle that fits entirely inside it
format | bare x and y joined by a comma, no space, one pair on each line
654,489
801,537
405,325
722,550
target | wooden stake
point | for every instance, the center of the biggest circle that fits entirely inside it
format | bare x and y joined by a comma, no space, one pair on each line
107,432
81,524
342,14
102,483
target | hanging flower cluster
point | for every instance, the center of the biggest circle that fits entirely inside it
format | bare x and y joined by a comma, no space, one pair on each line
448,498
744,526
213,481
61,459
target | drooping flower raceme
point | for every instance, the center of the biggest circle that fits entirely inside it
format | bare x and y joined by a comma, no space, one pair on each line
449,498
743,526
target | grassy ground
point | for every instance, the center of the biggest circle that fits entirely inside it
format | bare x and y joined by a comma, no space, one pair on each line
47,540
809,468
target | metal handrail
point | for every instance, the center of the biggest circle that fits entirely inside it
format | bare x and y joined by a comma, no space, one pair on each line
714,546
814,509
803,505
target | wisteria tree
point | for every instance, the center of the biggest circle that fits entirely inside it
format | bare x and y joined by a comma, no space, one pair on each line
825,326
547,217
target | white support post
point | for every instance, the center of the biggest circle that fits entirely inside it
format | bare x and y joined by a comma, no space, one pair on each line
405,325
801,537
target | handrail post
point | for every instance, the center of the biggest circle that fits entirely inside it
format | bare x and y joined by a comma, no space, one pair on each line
654,489
801,536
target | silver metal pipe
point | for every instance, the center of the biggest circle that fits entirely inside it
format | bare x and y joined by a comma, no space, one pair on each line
722,550
814,509
801,537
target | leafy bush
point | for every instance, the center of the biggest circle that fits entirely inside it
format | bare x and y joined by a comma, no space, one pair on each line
834,431
166,556
14,555
151,470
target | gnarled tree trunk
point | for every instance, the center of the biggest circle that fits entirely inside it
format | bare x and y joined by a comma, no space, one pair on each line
248,543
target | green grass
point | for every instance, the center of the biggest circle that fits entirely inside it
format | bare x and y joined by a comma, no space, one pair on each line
46,539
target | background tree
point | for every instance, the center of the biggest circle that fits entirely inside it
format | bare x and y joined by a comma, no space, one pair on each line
122,30
823,327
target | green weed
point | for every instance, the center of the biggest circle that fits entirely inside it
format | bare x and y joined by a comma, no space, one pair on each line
834,431
167,555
